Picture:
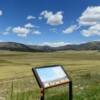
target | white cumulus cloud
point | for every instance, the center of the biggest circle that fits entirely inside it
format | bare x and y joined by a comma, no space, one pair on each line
53,19
36,32
29,25
1,12
54,44
30,17
89,21
90,16
21,31
70,29
93,30
7,31
40,18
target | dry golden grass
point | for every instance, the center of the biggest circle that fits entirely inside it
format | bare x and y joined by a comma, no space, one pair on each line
82,66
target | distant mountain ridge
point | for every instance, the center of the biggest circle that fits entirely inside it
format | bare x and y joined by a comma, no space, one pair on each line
13,46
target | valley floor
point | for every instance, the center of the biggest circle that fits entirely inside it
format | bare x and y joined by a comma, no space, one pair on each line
18,83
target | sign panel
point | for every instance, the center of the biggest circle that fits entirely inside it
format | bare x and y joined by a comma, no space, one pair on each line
51,76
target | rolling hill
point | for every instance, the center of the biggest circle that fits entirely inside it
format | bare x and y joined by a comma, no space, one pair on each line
13,46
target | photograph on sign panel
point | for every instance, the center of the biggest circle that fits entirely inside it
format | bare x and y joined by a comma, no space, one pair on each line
52,76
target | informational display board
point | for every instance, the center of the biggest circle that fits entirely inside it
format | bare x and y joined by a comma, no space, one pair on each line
52,76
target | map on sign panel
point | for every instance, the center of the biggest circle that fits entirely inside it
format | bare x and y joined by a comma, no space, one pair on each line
52,76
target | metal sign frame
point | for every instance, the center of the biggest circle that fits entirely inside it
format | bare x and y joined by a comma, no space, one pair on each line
42,88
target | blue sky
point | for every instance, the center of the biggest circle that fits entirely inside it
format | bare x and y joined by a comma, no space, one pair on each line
49,22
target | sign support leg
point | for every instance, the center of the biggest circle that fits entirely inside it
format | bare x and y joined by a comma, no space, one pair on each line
70,91
42,94
42,97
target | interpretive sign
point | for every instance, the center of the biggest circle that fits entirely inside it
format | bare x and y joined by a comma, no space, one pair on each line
51,76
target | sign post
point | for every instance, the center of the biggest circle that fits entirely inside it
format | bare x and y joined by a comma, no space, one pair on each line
42,94
51,76
70,91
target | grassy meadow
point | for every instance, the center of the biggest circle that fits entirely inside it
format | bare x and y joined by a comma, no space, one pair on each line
18,83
